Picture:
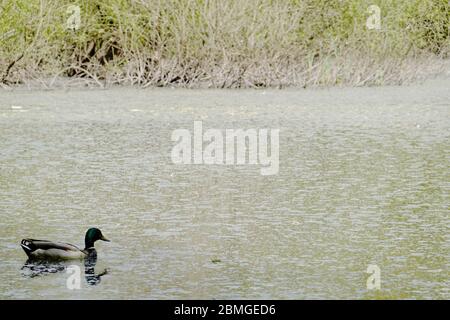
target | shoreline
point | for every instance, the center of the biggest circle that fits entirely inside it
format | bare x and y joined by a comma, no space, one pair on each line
437,69
432,91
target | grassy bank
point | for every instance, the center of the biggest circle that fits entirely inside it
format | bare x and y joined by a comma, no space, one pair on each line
215,43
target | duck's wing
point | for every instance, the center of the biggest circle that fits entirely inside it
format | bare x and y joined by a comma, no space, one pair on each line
31,245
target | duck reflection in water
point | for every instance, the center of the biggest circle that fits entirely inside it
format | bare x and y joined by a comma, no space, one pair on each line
89,269
39,267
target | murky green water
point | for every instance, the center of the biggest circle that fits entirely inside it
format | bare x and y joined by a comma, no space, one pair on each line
364,179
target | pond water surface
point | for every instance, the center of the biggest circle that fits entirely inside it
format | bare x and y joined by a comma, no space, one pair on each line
363,180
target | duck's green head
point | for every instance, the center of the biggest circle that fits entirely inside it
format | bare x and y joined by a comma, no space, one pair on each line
92,235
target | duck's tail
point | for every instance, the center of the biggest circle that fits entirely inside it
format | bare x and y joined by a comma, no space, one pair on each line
28,246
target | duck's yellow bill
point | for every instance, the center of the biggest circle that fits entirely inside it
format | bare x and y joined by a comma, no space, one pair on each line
104,239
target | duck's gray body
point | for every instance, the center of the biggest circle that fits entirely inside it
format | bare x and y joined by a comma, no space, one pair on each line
44,249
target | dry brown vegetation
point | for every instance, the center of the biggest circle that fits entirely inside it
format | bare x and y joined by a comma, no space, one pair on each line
223,44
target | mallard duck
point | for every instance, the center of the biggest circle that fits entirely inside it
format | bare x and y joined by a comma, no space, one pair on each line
44,249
